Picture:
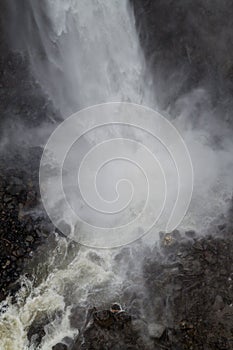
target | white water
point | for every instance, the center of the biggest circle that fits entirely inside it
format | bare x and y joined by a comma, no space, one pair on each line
92,55
89,278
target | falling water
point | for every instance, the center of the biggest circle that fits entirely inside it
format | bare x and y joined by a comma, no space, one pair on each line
89,52
81,53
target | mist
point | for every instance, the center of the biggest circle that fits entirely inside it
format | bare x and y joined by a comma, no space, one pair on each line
173,57
77,68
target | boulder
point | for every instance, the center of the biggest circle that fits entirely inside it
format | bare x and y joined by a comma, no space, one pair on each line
156,330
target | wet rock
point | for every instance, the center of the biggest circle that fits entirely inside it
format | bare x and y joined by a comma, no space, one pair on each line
177,49
16,181
78,317
108,330
139,325
7,199
97,259
31,198
176,234
156,330
6,264
222,227
190,234
69,342
197,286
60,346
218,303
19,229
168,240
29,238
37,329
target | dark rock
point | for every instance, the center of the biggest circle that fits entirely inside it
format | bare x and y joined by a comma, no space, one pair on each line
190,234
36,330
29,238
60,346
176,37
107,330
18,236
156,330
218,303
222,227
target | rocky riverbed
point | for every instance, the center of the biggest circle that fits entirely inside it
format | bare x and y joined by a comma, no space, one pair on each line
190,292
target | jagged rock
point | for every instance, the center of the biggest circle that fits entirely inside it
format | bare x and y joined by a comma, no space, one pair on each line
107,330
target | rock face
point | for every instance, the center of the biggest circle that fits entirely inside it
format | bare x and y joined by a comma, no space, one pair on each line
23,107
187,45
109,331
23,224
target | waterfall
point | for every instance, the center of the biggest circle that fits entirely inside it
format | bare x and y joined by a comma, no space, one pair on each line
82,53
86,52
